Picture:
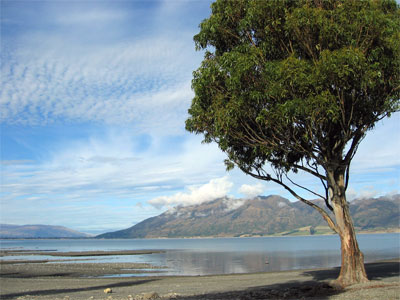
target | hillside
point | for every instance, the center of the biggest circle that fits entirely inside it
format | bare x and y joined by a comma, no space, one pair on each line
38,231
257,217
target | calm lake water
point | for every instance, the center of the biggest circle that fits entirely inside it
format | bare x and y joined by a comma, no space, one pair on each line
219,255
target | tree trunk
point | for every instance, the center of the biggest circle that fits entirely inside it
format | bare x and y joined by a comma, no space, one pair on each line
352,269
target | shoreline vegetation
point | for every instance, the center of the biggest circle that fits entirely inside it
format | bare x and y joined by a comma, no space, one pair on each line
84,281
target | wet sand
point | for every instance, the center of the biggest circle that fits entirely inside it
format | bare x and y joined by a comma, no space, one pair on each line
76,253
79,281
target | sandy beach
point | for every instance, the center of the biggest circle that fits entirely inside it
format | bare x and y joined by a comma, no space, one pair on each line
72,280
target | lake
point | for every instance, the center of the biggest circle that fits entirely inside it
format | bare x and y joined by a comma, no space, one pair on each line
206,256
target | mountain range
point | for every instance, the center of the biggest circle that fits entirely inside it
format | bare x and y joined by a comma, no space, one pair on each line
38,231
260,216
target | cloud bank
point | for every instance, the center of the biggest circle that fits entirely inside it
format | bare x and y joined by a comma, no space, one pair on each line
215,188
251,191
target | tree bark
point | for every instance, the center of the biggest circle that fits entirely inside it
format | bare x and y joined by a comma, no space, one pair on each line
352,269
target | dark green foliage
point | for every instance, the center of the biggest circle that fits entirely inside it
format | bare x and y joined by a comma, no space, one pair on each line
290,82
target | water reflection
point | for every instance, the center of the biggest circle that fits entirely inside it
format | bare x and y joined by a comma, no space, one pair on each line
206,263
220,256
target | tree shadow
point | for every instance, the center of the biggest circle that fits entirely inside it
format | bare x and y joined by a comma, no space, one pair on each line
380,270
287,290
317,287
75,290
375,271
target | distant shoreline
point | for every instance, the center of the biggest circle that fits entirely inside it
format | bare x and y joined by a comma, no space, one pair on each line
390,230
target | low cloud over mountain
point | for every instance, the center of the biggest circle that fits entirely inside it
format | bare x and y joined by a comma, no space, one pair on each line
258,216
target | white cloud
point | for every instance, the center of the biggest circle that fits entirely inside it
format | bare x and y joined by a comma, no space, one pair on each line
282,204
111,167
215,188
119,74
251,191
366,192
146,82
232,203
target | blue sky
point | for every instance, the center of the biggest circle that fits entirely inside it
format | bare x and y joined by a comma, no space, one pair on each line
93,99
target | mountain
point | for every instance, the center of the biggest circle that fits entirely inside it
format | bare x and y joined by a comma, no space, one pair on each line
38,231
258,217
376,213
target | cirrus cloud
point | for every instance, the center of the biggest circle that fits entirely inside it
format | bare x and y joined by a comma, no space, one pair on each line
118,84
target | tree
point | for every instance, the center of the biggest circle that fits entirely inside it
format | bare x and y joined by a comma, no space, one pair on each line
296,85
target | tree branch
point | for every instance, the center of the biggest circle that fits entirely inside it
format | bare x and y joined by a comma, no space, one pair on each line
358,136
316,174
268,177
304,188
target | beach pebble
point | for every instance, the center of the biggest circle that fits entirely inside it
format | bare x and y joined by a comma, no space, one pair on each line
171,295
108,291
147,296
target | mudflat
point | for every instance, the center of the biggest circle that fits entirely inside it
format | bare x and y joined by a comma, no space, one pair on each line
61,280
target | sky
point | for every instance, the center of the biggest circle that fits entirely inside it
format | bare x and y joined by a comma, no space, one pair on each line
94,96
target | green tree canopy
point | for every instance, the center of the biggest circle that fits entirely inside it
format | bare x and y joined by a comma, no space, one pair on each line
296,85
